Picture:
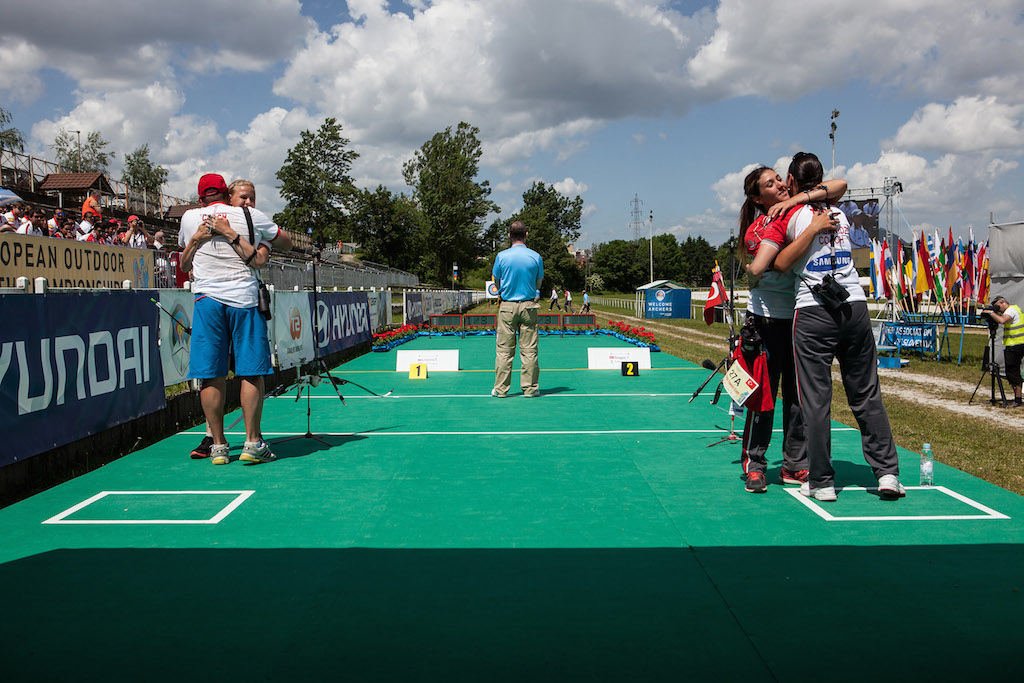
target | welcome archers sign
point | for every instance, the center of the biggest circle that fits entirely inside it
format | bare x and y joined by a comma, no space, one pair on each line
70,263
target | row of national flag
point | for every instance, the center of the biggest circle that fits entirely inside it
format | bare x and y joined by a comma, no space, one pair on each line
956,274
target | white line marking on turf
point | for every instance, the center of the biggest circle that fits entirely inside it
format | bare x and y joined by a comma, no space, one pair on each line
537,432
240,497
828,517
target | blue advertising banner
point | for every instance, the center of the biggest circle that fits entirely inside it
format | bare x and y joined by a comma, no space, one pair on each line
920,337
667,303
73,365
343,320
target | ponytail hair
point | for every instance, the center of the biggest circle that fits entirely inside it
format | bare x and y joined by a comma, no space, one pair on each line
806,171
749,211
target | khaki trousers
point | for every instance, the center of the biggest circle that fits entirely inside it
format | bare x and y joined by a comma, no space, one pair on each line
517,317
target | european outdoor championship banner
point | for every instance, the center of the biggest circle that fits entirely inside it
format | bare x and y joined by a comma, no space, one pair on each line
70,263
343,322
293,328
73,365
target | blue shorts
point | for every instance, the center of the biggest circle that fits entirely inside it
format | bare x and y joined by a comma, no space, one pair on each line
217,327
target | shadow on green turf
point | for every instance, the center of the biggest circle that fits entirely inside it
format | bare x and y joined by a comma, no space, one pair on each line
788,613
301,447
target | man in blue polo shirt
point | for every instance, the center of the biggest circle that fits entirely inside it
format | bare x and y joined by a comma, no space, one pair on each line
517,273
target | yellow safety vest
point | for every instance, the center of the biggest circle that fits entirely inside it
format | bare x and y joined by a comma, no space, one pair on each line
1013,334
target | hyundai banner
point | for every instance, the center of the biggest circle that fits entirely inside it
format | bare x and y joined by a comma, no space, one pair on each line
343,320
73,365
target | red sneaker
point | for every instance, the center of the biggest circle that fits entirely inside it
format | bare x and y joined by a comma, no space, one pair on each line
756,482
789,477
203,449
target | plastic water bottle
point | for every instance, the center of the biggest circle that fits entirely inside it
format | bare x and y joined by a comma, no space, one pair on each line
927,466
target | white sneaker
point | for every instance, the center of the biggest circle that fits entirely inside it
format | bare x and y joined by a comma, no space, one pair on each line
825,493
890,488
495,394
258,451
219,454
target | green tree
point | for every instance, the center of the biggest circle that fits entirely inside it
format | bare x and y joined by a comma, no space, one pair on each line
91,157
454,205
139,172
666,257
10,138
386,226
621,264
315,182
554,224
697,259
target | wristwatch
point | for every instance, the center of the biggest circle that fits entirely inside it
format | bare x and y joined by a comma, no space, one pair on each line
234,242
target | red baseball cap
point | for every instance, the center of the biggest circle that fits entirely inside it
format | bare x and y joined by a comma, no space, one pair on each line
212,183
133,217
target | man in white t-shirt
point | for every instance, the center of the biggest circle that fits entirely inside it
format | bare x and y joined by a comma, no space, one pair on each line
220,256
34,225
54,224
135,236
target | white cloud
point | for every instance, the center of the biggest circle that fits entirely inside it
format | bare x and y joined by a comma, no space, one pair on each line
17,70
570,187
126,119
969,124
126,45
938,48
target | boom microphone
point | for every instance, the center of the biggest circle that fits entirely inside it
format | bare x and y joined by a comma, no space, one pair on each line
709,364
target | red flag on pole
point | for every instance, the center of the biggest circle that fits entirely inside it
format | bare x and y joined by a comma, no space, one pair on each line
716,296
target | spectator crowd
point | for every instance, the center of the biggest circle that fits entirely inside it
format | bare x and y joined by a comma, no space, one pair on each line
24,219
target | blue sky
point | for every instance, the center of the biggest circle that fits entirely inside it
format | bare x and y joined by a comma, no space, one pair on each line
608,99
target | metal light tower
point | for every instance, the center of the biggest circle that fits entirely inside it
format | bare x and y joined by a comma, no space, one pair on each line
832,137
651,235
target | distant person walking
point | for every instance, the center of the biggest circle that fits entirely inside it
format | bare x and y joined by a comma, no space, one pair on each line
568,302
586,302
554,299
518,272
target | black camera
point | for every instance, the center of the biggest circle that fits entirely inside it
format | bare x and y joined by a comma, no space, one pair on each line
263,301
751,340
830,293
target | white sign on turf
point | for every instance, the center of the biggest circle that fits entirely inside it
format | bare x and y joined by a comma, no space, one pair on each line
443,360
613,358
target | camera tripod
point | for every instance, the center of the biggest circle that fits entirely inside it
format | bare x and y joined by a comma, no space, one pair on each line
990,366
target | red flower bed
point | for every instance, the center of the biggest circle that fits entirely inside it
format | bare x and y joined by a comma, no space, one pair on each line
627,330
397,333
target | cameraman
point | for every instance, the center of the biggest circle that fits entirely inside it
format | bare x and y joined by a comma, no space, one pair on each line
1012,320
